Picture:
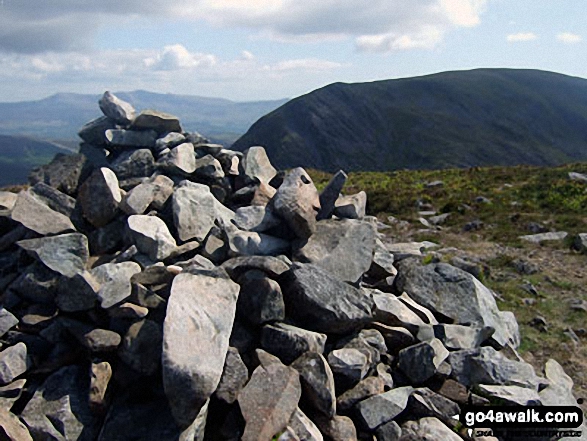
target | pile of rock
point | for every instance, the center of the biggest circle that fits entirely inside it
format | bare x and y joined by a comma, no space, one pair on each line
159,287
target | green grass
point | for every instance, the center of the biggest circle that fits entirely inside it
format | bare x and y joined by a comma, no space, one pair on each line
519,195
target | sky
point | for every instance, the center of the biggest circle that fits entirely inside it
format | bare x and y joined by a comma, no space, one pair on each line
247,50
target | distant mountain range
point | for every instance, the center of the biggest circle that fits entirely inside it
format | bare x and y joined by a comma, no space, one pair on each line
54,121
450,119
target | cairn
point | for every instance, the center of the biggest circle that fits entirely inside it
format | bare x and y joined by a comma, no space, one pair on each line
157,286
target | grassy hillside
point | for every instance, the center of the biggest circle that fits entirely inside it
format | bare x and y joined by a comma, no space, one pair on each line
451,119
520,199
18,155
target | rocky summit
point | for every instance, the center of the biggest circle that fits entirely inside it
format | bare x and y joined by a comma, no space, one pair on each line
156,286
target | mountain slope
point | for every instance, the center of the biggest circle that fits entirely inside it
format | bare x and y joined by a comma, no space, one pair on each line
60,116
18,155
451,119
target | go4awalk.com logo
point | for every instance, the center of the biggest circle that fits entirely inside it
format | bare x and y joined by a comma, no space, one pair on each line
556,420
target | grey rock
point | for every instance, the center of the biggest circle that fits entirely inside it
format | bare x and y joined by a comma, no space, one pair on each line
366,388
66,254
454,391
158,121
382,263
13,362
36,215
317,382
260,300
390,431
94,131
206,148
7,321
330,194
248,243
195,211
439,219
268,401
456,337
138,199
288,434
121,138
511,395
99,197
580,243
351,207
116,109
141,347
343,248
472,268
170,140
403,250
195,339
151,236
114,280
12,429
559,390
59,409
289,342
180,160
234,377
100,375
62,173
55,199
7,201
37,283
421,361
151,417
429,428
421,311
305,429
92,338
543,237
297,202
349,365
339,428
256,166
391,311
322,303
574,176
487,366
384,407
396,337
208,168
255,218
450,292
78,293
133,164
425,403
272,266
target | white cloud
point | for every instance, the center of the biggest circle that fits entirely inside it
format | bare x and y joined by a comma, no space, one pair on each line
426,39
307,64
178,57
522,36
30,26
568,37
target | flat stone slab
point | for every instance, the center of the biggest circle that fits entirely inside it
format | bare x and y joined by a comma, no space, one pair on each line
37,216
66,254
197,327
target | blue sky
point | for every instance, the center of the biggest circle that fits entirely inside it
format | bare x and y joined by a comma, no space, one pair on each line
268,49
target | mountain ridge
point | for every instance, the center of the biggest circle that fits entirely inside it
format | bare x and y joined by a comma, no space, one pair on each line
449,119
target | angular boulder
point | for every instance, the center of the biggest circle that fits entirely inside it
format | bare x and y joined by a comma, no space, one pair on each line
66,254
455,294
297,202
36,215
151,236
116,109
197,327
99,197
344,248
320,302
